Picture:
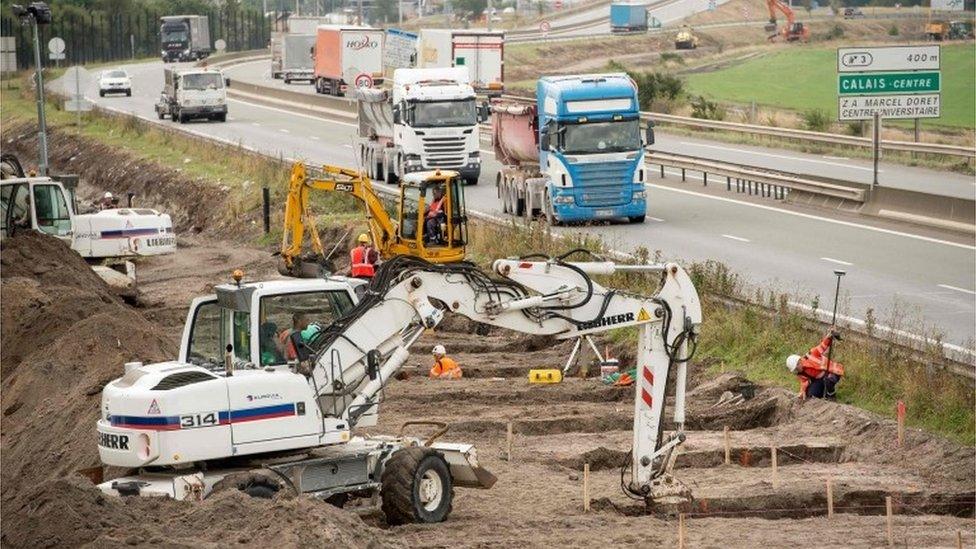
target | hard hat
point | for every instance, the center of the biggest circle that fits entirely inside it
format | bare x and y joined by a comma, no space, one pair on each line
363,238
439,350
107,195
793,363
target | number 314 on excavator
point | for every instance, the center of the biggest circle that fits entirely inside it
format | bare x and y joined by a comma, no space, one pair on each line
431,221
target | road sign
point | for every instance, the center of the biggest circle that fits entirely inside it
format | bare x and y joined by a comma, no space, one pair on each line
56,56
877,83
545,27
558,4
893,58
363,80
948,5
55,45
8,54
220,44
889,106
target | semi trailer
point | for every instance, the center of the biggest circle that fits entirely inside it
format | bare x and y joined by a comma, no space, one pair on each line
286,26
482,52
347,57
576,153
184,38
628,17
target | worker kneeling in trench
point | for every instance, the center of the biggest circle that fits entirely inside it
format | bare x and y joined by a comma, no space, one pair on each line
444,366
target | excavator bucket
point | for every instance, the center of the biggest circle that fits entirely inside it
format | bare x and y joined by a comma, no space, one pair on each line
302,268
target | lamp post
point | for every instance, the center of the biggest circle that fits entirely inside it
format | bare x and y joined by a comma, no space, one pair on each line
36,14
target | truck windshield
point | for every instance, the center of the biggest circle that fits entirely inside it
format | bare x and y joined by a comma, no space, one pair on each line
202,81
435,114
174,34
600,137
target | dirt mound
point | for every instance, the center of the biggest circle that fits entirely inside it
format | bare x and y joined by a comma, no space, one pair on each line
600,459
71,512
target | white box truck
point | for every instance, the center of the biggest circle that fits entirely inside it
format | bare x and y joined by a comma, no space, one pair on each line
482,52
296,58
429,122
284,26
347,57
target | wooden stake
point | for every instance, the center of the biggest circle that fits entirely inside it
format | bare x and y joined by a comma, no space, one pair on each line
586,487
830,499
728,446
775,468
958,539
891,535
681,531
508,442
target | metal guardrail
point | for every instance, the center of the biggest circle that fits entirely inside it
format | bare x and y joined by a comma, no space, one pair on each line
799,135
759,181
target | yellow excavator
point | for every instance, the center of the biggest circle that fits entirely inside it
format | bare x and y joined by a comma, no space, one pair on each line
431,219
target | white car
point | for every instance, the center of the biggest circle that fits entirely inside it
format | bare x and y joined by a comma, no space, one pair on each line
114,81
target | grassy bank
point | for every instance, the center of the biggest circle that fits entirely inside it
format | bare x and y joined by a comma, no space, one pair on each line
804,79
752,339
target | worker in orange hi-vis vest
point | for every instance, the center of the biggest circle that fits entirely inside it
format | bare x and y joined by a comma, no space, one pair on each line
444,367
363,258
818,374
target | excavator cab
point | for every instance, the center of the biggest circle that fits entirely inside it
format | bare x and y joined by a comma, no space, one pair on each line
432,216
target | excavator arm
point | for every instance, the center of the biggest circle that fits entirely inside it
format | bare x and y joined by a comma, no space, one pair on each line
354,359
777,5
299,218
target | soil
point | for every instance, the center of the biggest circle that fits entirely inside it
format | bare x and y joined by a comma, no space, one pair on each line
64,335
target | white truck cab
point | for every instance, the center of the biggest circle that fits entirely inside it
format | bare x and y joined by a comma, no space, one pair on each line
193,93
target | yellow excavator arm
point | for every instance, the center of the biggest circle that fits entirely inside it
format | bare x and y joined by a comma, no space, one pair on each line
300,220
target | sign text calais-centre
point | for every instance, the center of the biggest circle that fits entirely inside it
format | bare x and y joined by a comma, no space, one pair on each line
896,82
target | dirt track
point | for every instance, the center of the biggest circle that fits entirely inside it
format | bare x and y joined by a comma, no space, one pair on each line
50,402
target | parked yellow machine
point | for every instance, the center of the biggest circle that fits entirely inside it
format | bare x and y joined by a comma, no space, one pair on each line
431,218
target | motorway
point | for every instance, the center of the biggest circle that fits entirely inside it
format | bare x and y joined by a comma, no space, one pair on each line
904,274
835,167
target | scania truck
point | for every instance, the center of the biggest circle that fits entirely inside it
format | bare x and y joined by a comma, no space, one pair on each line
429,122
576,153
184,38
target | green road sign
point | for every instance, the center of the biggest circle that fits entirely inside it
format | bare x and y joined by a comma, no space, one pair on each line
889,82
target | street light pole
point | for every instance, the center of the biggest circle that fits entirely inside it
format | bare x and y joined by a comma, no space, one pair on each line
39,82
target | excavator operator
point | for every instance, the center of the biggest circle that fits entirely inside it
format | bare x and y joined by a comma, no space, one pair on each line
818,374
435,216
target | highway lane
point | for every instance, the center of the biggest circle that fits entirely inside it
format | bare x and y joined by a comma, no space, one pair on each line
897,274
837,167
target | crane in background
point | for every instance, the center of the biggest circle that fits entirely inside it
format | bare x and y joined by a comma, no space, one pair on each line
793,30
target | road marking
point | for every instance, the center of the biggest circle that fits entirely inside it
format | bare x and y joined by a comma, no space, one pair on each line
313,137
292,113
658,219
837,261
347,145
739,238
282,130
835,157
956,288
786,157
815,217
255,124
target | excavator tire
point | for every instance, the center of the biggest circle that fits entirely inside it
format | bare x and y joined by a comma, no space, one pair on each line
10,167
417,487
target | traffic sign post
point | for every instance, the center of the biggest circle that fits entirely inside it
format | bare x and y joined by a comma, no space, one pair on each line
363,80
55,48
545,27
896,82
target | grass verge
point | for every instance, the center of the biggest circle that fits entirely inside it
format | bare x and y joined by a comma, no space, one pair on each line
753,339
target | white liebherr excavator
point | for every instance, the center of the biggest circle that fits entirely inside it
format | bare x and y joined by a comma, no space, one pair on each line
186,427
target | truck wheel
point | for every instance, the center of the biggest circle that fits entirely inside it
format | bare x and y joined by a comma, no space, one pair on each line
416,487
128,93
101,93
287,81
222,117
160,114
637,218
471,181
550,212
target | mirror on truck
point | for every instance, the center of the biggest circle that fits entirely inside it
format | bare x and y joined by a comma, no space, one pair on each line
484,113
649,134
396,114
227,82
544,141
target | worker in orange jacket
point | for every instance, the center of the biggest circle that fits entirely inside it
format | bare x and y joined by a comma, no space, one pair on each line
818,375
444,367
363,258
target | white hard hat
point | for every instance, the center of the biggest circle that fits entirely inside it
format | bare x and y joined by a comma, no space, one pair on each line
793,363
107,195
439,350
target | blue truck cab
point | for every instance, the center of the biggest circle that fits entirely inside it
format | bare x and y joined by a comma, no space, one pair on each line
590,147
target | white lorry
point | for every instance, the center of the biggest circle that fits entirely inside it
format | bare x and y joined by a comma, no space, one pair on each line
348,57
236,402
297,62
429,122
482,52
108,239
285,26
193,93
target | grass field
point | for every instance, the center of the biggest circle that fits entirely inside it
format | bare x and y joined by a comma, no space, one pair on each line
802,78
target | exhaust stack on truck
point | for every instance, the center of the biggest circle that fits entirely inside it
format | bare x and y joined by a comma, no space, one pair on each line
574,155
430,122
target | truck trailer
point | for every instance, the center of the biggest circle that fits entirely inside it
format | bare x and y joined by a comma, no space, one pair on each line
285,26
482,52
184,38
296,58
575,154
347,56
429,122
628,17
